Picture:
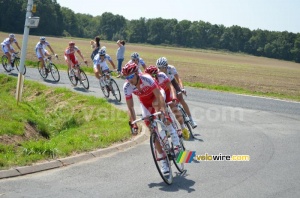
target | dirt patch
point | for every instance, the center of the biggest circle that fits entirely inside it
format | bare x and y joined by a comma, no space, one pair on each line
30,133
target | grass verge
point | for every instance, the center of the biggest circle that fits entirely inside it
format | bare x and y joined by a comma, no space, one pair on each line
52,123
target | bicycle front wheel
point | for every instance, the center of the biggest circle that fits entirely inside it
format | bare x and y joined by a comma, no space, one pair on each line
115,90
72,77
4,61
179,165
186,121
167,177
54,72
17,63
104,88
42,70
84,79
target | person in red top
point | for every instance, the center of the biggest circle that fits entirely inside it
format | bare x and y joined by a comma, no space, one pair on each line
70,55
165,83
150,96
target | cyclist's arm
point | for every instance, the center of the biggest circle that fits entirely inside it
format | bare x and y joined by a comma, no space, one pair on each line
131,110
179,81
81,56
113,64
17,44
172,89
51,49
160,99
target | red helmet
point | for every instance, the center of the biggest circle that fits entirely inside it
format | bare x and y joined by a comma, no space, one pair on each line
129,68
71,43
151,70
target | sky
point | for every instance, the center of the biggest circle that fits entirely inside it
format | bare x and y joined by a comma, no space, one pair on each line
272,15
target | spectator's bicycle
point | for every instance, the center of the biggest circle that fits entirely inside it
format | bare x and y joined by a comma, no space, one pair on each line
15,62
186,119
49,68
108,84
78,75
168,152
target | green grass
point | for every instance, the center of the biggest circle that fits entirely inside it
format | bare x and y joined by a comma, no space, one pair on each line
62,123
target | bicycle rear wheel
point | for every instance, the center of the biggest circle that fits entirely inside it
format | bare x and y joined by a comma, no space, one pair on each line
186,122
104,88
167,177
54,72
42,72
84,79
4,61
17,63
72,77
115,90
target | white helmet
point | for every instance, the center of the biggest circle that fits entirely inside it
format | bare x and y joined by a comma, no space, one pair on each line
161,62
11,36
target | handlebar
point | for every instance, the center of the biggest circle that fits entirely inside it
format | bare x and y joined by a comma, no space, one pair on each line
144,118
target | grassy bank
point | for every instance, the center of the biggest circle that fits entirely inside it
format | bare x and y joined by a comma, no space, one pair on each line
54,122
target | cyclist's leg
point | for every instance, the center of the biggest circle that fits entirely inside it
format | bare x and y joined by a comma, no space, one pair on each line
8,55
97,71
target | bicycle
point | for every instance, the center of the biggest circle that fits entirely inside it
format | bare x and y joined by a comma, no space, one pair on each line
108,84
15,62
49,68
77,74
167,148
186,119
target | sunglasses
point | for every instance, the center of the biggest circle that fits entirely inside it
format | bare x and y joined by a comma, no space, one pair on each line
130,76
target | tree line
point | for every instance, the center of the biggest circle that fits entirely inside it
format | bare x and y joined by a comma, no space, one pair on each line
61,21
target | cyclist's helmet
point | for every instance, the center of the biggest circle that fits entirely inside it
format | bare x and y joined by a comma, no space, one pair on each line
152,70
129,68
71,43
11,36
161,62
42,39
135,55
102,52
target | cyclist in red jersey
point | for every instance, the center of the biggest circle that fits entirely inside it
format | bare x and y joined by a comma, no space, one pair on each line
165,83
70,55
150,96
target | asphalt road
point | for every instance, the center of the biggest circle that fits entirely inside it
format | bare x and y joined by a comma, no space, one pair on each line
265,129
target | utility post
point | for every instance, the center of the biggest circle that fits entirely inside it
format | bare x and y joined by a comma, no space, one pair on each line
30,22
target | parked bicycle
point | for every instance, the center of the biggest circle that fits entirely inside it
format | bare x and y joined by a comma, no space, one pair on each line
15,62
108,84
168,152
49,68
78,75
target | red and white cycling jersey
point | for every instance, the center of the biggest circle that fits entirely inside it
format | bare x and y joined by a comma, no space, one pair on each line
162,80
71,53
145,94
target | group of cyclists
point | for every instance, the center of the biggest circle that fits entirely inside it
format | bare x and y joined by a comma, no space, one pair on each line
154,85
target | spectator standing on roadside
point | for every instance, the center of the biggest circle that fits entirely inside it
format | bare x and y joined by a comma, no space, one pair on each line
95,45
120,55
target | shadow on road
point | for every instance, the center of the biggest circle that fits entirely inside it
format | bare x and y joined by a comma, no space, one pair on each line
179,183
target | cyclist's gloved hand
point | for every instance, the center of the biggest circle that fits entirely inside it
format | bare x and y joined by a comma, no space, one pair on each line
56,55
85,62
183,91
133,128
175,100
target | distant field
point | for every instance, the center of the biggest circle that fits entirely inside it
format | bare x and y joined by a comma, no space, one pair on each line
202,68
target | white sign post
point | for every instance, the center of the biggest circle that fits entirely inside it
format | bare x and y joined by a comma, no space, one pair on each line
30,22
